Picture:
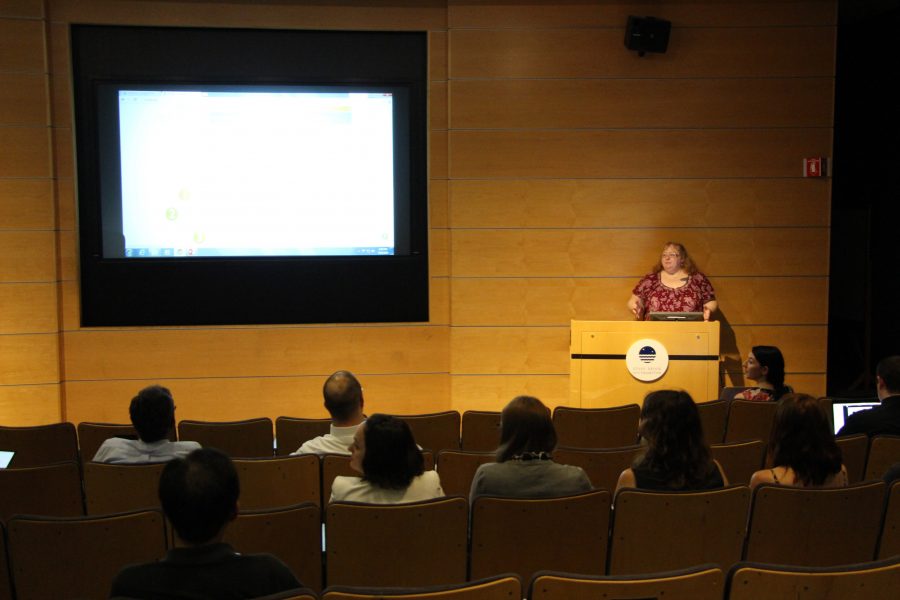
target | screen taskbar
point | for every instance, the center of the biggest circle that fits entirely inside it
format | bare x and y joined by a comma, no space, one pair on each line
249,252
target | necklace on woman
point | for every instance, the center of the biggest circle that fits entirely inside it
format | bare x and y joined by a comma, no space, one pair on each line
532,456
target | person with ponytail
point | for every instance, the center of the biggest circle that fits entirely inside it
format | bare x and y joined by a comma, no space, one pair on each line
765,366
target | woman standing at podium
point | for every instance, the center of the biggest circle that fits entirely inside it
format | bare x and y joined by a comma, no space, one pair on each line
674,285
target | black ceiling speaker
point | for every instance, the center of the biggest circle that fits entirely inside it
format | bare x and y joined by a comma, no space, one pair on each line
647,34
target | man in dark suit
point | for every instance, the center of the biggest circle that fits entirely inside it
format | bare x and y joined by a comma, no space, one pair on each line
884,419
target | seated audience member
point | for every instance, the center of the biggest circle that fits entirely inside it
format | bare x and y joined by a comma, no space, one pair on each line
524,467
153,416
391,464
677,455
802,449
884,419
344,402
199,495
765,366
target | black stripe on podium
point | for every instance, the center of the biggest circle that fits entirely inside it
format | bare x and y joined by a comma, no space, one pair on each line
622,357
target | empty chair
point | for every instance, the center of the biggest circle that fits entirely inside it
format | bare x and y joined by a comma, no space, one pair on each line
51,490
728,393
250,438
338,464
435,431
704,582
505,587
480,430
750,421
457,468
276,482
739,460
867,581
854,450
41,445
78,557
815,527
660,531
92,435
121,488
416,544
523,536
884,451
292,533
889,540
597,427
291,432
603,466
713,416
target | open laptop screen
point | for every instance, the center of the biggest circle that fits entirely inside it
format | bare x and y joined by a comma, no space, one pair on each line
841,409
5,458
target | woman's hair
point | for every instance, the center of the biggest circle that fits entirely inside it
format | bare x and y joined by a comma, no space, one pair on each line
525,426
676,449
686,263
392,459
770,357
802,439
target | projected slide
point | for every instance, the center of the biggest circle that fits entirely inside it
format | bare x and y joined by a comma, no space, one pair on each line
253,172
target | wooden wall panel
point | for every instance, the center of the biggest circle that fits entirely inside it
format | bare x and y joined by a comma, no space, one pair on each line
493,392
27,256
22,45
25,152
24,405
509,350
28,308
28,359
438,204
437,55
26,204
437,103
22,8
65,203
18,92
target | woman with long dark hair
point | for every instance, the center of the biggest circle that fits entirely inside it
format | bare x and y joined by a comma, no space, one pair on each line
765,366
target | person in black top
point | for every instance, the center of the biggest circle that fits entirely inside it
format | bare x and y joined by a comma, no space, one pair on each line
199,495
884,419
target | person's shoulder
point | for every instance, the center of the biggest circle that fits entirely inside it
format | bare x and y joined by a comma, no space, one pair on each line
112,448
186,445
343,484
132,581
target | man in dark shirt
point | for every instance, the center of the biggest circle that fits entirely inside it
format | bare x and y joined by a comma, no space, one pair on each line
884,419
199,495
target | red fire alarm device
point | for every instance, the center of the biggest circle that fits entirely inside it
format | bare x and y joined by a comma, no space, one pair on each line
815,167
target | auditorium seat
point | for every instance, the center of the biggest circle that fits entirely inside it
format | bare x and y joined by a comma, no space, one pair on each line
92,435
603,466
502,587
384,545
660,531
728,393
78,557
480,430
523,536
50,490
5,581
292,432
739,460
276,482
713,416
339,464
435,431
457,469
121,488
297,594
889,540
250,438
40,445
815,527
884,451
854,450
750,421
597,427
704,582
866,581
292,533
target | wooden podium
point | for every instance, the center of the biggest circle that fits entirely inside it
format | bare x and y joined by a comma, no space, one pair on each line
600,376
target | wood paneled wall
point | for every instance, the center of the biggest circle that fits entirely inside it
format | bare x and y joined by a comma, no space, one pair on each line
559,163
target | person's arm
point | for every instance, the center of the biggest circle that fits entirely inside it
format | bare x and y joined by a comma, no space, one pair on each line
721,472
709,308
636,307
761,477
626,480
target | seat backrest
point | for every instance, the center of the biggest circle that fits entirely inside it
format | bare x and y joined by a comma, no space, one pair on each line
705,582
884,451
713,417
506,587
79,557
292,533
660,531
596,427
251,438
50,490
728,393
92,435
5,582
854,450
416,544
457,469
339,464
868,581
291,432
277,482
435,431
815,527
739,460
889,541
480,430
750,421
523,536
297,594
603,466
41,445
121,488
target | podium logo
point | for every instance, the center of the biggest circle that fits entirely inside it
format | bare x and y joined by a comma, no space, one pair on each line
647,360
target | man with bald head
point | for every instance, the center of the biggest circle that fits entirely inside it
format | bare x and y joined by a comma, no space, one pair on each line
344,402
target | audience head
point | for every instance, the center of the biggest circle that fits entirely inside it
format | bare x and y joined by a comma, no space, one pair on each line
525,429
802,439
683,259
765,363
199,494
676,448
343,397
153,413
385,452
888,373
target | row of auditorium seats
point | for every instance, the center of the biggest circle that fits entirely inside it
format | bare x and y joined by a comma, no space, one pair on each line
442,541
